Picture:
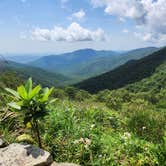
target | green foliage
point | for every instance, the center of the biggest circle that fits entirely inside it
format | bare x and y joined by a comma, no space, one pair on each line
114,103
131,72
125,149
99,136
39,75
71,92
75,94
147,124
59,94
25,138
73,134
31,104
119,127
82,95
102,96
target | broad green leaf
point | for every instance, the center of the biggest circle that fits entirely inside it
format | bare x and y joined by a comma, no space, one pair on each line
45,91
28,86
53,101
20,103
46,94
14,105
25,138
22,92
29,125
34,91
13,92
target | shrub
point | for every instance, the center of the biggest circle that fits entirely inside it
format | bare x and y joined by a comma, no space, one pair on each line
59,93
125,149
114,103
82,95
71,92
102,95
31,104
147,124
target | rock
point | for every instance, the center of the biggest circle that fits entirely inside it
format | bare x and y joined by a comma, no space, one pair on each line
63,164
24,155
2,143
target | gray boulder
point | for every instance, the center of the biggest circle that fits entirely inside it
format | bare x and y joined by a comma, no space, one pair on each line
24,155
2,143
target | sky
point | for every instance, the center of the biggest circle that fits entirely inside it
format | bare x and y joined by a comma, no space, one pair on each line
56,26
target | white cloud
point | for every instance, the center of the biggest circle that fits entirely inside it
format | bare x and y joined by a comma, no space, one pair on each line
72,33
144,37
78,15
125,31
126,8
150,15
122,19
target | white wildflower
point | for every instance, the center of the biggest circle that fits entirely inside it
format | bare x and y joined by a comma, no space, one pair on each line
92,126
126,135
144,127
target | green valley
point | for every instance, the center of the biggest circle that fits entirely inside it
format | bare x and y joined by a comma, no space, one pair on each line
82,64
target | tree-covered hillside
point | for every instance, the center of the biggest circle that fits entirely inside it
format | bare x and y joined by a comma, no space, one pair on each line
128,73
86,63
104,64
69,63
40,76
155,83
116,127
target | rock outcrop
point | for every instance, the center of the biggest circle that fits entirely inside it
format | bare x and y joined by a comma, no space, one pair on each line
26,155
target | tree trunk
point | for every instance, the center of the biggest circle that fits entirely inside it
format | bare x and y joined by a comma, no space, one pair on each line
38,134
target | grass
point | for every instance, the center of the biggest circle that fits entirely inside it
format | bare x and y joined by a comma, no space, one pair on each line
110,128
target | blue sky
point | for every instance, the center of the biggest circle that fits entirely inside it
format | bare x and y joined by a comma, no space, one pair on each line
54,26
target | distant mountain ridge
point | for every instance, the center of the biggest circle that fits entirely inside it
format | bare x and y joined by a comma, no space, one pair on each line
131,72
24,58
39,75
68,63
86,63
104,64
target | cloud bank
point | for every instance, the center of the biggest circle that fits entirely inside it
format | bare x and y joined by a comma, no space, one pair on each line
73,33
150,15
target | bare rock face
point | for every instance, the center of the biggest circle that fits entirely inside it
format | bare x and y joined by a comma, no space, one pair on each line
24,155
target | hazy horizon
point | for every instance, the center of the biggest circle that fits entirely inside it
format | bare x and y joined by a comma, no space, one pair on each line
58,26
59,53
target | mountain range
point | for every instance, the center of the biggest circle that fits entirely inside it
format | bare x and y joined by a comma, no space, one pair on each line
74,67
22,58
86,63
131,72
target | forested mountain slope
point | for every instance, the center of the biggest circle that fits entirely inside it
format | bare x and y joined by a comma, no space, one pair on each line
104,64
128,73
70,62
155,83
39,75
86,63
